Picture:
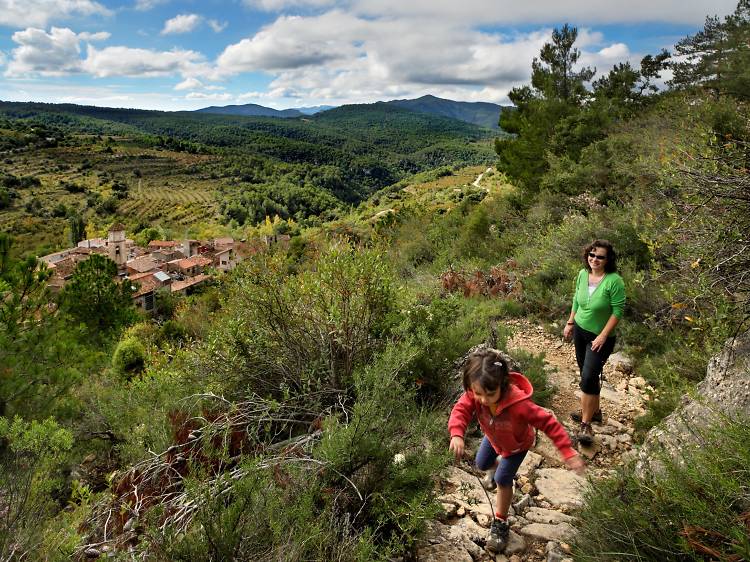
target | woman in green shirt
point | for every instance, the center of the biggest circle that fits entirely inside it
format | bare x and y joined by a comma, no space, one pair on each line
598,304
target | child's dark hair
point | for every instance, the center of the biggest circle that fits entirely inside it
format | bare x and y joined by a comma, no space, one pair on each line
487,368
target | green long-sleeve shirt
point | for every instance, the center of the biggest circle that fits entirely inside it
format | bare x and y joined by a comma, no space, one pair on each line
592,313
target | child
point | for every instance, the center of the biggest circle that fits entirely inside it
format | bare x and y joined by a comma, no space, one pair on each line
501,401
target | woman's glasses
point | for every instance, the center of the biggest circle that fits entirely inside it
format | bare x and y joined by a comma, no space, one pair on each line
592,255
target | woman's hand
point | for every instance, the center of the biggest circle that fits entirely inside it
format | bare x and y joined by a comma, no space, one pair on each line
568,332
457,446
598,342
576,464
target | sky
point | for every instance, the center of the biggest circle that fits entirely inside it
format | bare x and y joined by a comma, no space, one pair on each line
186,54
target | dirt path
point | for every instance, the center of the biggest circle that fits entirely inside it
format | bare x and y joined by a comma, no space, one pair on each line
546,493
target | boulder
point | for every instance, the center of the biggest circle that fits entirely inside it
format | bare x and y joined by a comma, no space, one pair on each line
561,486
621,362
724,392
546,532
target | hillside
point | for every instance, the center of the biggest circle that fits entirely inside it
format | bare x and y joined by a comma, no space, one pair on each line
483,114
192,170
251,110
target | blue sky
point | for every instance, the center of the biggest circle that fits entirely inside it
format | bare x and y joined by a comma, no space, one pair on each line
183,55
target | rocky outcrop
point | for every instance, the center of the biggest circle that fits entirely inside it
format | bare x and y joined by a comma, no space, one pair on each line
725,392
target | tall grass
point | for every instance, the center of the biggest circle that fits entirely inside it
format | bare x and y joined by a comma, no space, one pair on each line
698,509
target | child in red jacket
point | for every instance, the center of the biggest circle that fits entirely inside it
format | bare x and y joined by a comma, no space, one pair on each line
501,402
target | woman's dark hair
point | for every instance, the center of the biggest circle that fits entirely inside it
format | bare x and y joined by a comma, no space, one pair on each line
486,367
610,266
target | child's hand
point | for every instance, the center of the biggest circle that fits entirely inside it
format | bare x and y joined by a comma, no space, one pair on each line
457,446
576,464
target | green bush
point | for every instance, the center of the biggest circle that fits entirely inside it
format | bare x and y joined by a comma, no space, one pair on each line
129,357
696,510
31,457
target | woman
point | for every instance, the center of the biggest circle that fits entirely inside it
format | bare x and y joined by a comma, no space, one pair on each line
598,304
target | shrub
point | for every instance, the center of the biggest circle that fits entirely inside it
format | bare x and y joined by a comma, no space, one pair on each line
31,455
696,510
129,357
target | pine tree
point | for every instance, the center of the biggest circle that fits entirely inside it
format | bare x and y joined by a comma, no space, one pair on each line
718,56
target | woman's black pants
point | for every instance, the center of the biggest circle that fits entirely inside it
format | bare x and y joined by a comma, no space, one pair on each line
591,362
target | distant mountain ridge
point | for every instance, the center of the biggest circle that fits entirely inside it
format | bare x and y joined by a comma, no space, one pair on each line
483,114
251,110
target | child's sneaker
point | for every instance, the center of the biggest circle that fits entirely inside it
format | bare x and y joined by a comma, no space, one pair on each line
498,539
577,416
586,435
488,482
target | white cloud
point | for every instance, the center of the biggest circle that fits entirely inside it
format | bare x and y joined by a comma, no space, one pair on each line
278,5
213,97
292,42
146,5
99,36
183,23
618,51
48,54
126,61
337,54
189,84
37,13
217,25
512,12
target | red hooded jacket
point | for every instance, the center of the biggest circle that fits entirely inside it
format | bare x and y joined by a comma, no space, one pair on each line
511,430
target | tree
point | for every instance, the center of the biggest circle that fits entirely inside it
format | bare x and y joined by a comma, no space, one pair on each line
718,56
554,76
40,359
557,91
94,298
77,229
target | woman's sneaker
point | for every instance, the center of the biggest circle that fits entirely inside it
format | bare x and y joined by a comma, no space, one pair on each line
488,482
586,434
498,539
578,416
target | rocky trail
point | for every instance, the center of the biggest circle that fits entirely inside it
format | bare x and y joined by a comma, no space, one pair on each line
546,493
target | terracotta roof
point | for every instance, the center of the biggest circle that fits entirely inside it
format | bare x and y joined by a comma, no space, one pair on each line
137,276
116,227
178,286
163,244
143,264
199,261
147,285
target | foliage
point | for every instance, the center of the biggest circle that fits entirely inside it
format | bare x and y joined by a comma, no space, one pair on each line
129,357
31,454
702,499
93,297
718,56
312,328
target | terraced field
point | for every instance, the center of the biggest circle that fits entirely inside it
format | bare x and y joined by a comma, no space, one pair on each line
168,189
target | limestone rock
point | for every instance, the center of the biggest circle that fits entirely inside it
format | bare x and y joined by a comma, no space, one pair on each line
549,516
516,543
529,464
561,486
445,552
546,532
466,492
725,391
621,362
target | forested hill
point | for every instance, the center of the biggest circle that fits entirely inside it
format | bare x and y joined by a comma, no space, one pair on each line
479,113
243,169
251,109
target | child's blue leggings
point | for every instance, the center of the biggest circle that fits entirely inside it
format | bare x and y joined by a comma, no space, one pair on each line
506,468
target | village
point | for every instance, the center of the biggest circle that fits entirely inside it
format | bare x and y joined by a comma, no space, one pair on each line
181,266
